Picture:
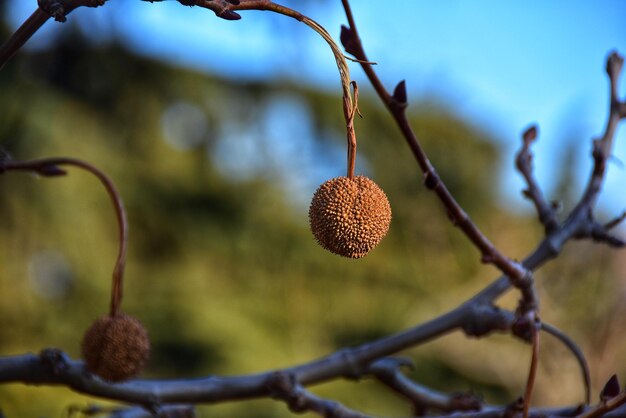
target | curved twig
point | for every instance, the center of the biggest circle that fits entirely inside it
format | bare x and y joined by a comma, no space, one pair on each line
226,10
388,371
578,354
49,167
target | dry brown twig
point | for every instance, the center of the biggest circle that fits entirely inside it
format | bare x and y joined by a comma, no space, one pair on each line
51,167
477,317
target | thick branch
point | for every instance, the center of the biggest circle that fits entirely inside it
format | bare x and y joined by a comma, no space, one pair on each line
22,35
54,367
580,357
509,412
284,387
170,411
58,9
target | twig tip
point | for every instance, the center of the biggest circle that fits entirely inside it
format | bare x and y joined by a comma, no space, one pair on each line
348,40
614,64
530,134
228,14
611,389
51,171
399,93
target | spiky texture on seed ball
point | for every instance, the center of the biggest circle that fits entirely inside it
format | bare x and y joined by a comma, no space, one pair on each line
349,217
116,348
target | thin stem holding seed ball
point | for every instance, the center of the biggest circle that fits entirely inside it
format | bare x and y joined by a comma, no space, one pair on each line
532,371
351,133
349,104
49,167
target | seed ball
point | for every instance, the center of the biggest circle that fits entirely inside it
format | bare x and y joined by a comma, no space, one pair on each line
116,348
349,217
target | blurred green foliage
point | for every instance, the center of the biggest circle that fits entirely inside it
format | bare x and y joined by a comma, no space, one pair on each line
222,268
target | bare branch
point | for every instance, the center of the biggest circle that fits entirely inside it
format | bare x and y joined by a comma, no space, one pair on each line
599,233
352,43
580,357
283,386
577,224
611,399
58,9
603,407
22,35
173,411
388,371
615,222
169,411
56,368
520,276
602,148
524,163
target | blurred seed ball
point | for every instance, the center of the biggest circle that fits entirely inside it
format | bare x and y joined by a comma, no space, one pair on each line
116,348
349,217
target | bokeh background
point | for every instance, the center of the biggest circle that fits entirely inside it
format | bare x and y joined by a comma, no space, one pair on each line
217,133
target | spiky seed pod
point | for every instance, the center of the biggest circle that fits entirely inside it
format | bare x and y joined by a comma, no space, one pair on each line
349,217
116,348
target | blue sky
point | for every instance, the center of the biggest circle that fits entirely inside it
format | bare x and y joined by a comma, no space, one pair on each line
501,65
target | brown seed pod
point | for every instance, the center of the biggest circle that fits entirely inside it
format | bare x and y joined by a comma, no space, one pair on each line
349,217
116,347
